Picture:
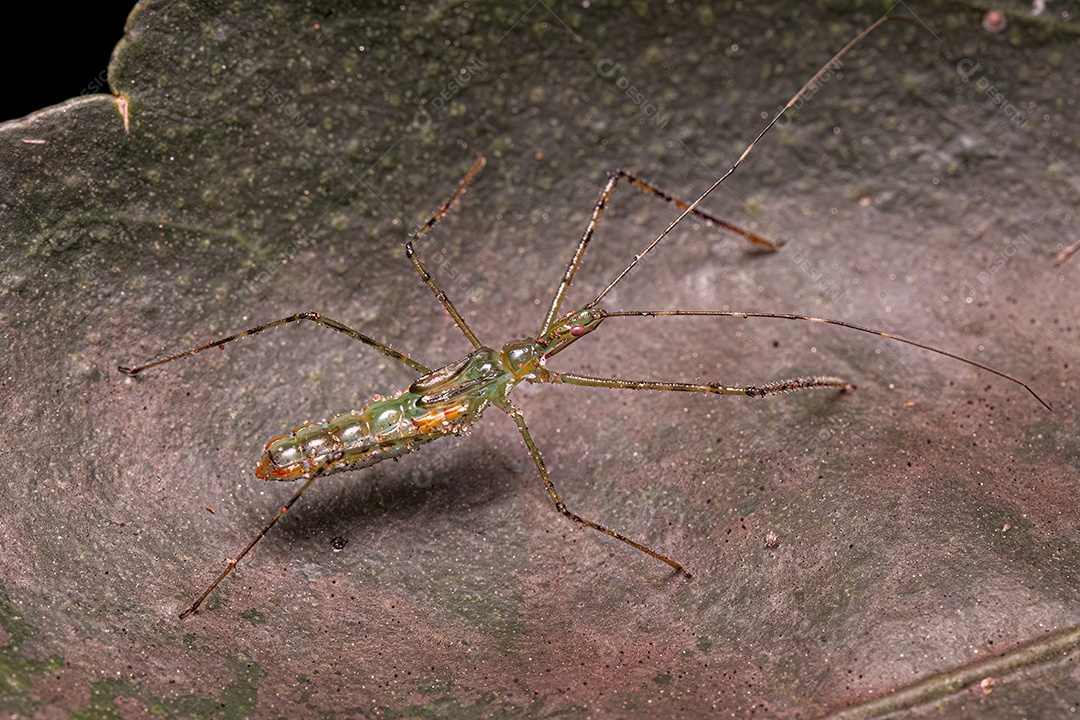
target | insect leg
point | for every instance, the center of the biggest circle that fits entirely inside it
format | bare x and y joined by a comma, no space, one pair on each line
233,563
714,388
560,505
719,181
311,315
646,186
422,270
826,321
598,212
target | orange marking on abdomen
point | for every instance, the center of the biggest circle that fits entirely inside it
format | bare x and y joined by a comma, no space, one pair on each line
435,418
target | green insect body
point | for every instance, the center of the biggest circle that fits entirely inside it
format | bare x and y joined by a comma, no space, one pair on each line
446,401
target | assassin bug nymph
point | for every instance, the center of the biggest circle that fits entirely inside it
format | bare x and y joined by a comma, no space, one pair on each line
450,399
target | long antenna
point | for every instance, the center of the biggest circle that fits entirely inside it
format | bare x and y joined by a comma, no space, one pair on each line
725,176
825,321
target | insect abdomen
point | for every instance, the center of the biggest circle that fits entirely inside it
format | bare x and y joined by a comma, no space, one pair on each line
444,402
360,438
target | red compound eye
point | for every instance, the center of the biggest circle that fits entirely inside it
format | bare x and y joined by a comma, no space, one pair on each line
577,331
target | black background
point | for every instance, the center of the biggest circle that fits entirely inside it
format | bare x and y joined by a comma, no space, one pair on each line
52,54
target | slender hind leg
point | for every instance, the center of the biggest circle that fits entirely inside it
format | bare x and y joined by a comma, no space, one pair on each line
312,316
560,505
236,560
